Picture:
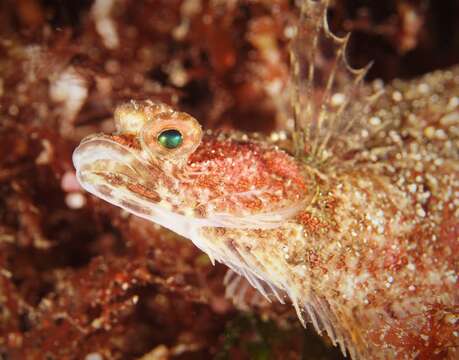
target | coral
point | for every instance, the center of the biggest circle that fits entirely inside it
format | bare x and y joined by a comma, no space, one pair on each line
82,279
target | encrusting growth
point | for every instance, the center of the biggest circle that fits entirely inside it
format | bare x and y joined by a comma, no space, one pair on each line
355,219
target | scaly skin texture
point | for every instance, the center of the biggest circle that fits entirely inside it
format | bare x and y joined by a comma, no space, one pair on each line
353,217
366,250
375,252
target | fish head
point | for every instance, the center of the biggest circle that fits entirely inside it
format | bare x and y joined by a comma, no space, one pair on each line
161,165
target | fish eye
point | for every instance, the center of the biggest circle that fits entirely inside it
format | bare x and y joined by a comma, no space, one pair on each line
170,136
170,139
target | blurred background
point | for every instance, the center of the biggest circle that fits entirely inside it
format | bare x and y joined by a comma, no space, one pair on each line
79,278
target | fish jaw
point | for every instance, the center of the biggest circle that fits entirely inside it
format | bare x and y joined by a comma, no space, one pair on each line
117,174
124,176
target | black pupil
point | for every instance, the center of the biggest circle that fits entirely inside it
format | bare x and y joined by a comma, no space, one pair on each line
170,139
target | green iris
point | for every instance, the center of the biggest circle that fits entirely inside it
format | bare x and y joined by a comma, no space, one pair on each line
170,139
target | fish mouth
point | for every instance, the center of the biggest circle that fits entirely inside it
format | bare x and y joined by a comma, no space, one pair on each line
119,175
100,155
115,172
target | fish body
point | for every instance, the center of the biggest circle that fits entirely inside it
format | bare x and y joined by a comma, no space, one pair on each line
359,230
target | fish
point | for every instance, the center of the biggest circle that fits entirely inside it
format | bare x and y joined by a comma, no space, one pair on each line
352,216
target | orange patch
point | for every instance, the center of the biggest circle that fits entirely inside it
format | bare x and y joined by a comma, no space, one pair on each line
149,194
127,140
310,222
426,335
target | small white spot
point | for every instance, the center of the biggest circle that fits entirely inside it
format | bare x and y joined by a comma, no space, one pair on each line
274,87
274,136
423,88
440,134
93,356
411,288
282,135
453,102
124,286
178,75
420,212
290,32
412,188
450,119
395,137
397,96
13,110
452,277
105,26
75,200
70,89
438,162
375,121
338,99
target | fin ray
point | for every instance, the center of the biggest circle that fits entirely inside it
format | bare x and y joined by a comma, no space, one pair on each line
323,88
308,306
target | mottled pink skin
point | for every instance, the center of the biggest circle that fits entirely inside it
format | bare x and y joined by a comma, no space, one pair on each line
394,309
403,264
225,168
369,248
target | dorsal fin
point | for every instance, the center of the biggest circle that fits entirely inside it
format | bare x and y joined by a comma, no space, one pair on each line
323,86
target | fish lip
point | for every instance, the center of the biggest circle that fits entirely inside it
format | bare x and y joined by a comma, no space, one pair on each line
99,159
81,158
93,178
99,154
